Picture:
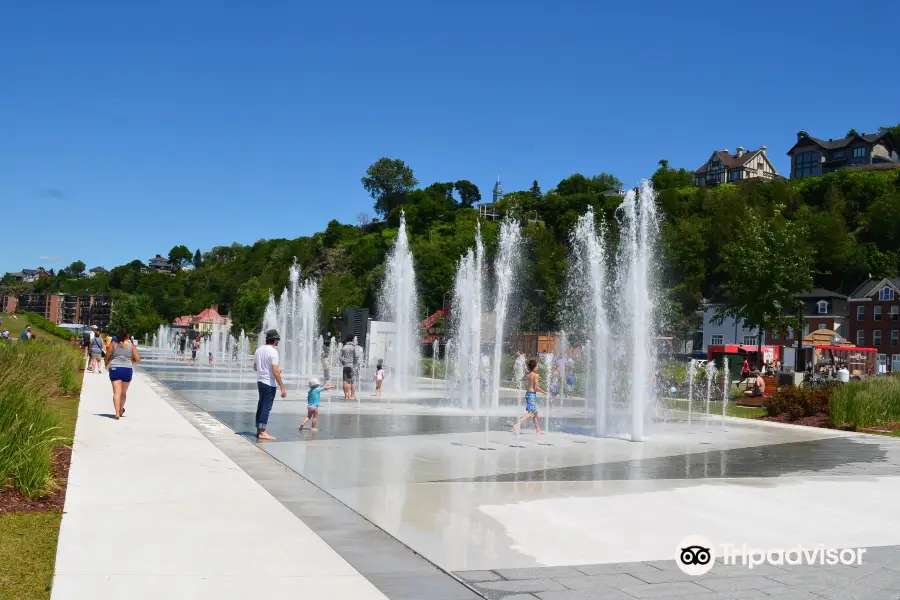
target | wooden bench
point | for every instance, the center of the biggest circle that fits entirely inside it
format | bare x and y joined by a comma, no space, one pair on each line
771,386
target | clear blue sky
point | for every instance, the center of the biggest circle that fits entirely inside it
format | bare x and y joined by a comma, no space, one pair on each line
208,122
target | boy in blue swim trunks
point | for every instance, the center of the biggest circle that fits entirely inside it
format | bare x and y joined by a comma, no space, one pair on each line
534,387
312,402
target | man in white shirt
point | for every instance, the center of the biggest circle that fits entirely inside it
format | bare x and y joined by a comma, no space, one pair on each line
268,373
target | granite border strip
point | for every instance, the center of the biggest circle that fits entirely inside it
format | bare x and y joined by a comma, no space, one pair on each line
395,569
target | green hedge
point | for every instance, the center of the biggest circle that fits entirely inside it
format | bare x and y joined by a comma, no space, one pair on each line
49,326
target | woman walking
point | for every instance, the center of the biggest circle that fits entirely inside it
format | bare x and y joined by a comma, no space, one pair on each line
119,362
97,350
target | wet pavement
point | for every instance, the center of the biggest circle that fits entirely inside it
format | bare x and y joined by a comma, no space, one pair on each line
470,500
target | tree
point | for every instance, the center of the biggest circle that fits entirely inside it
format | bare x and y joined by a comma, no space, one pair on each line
766,265
134,312
851,133
198,259
179,256
76,269
387,180
363,219
666,178
469,195
536,190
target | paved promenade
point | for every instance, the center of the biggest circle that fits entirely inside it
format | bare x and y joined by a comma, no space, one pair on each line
155,510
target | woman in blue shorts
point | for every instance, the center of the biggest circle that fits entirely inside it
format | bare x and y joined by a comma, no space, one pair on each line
120,364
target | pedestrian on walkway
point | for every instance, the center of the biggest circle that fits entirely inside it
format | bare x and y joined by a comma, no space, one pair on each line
98,351
349,362
120,364
268,373
312,402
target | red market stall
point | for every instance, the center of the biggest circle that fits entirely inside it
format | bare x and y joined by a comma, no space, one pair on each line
859,361
736,354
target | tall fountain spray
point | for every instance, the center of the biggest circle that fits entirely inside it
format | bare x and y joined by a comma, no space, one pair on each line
639,230
294,316
588,281
614,311
504,276
399,305
466,323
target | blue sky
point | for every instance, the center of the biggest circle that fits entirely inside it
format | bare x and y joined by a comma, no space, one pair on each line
207,122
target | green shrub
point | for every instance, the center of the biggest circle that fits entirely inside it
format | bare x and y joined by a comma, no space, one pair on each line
872,402
28,433
802,401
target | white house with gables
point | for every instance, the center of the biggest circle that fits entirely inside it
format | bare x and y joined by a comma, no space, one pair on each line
723,167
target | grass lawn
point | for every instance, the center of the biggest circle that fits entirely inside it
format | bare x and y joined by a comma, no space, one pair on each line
27,554
715,408
17,325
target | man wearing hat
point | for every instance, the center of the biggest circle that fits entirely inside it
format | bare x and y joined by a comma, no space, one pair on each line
265,363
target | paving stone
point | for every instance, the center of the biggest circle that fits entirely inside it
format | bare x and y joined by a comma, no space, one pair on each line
616,568
812,576
795,596
888,556
860,592
665,590
734,584
811,588
522,585
538,572
669,576
596,594
584,582
415,586
663,565
736,595
883,579
739,570
478,576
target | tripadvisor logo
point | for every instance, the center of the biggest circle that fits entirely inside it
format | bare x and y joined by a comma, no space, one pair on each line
696,555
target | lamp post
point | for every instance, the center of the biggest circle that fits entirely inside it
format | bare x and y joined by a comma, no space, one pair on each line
540,294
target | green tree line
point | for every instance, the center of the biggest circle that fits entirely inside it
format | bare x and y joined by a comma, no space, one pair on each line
845,223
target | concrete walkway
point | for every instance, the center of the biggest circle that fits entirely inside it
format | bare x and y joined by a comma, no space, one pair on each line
155,510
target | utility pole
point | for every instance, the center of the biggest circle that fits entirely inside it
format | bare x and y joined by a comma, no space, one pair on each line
540,294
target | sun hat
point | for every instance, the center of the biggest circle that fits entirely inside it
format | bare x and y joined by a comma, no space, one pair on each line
314,382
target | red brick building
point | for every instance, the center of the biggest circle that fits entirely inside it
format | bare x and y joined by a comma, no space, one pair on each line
875,320
822,309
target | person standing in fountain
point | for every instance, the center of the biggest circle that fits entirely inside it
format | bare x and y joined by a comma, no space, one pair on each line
379,377
195,345
534,386
312,402
268,373
349,364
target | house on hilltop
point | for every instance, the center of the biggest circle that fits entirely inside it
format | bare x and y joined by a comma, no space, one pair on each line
723,167
812,156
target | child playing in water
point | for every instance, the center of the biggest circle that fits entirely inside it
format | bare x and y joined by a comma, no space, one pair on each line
534,386
379,377
312,402
210,359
